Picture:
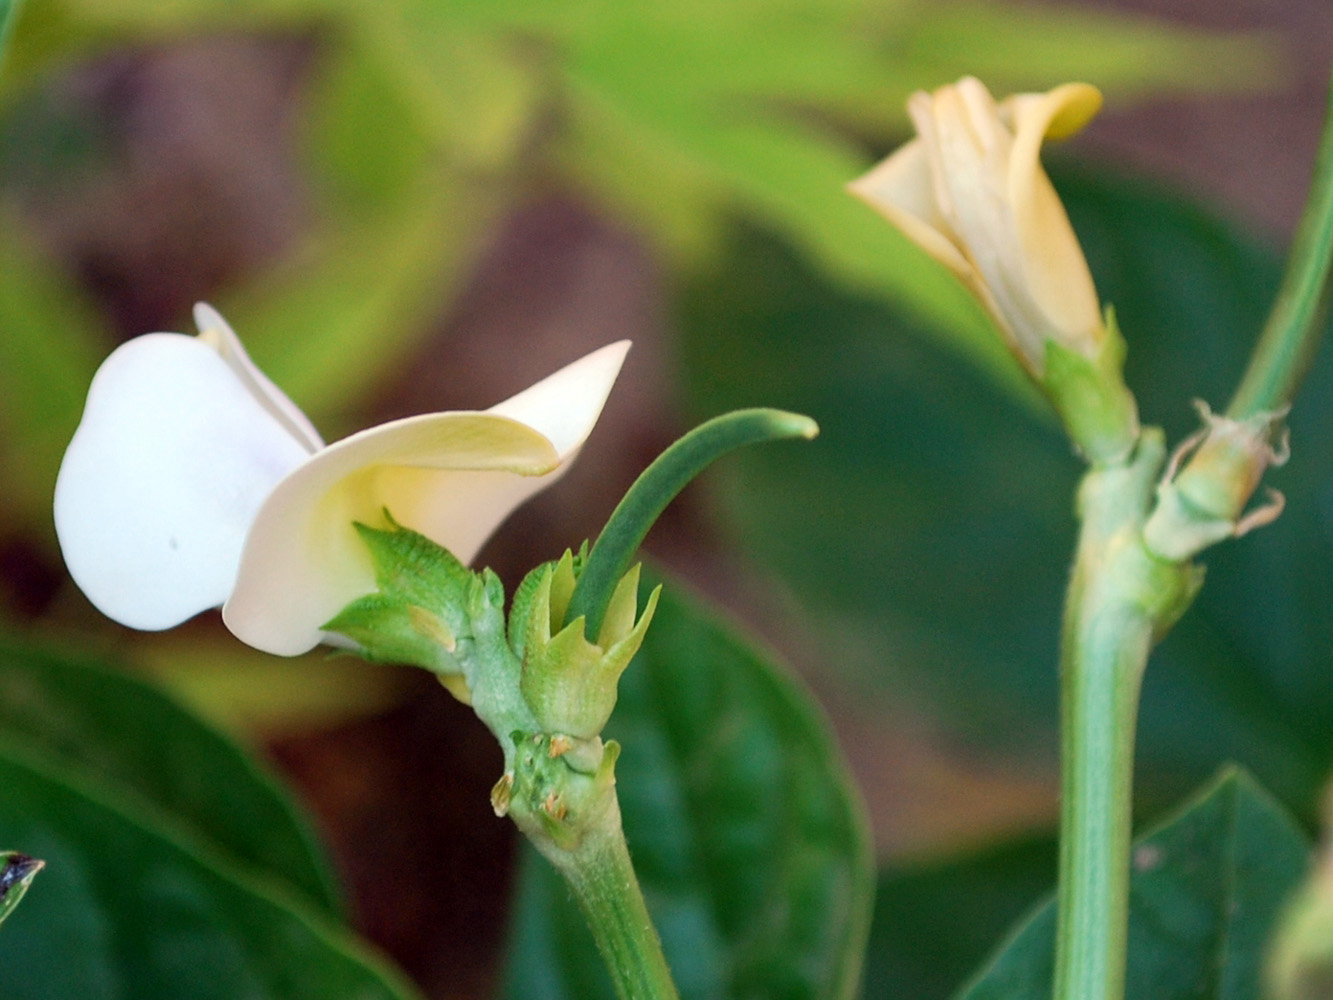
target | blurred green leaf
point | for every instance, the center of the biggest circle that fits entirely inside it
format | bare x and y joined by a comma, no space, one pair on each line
927,532
127,908
338,317
133,746
745,831
934,923
50,346
1206,888
1033,46
754,120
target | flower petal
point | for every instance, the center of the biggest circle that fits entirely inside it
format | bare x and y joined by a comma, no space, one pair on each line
218,334
172,458
901,189
564,406
452,476
1057,272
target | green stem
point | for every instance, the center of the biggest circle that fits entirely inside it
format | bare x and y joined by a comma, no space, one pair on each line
1296,323
1120,598
601,876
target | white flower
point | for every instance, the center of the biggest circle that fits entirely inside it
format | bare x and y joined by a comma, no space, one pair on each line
193,482
970,191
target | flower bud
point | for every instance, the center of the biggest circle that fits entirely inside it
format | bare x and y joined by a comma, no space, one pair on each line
1206,501
569,682
970,191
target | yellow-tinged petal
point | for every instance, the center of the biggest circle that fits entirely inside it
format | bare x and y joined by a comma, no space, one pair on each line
453,477
971,191
901,190
1056,270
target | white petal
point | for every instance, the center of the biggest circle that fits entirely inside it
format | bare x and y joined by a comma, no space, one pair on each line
452,476
218,334
173,457
565,406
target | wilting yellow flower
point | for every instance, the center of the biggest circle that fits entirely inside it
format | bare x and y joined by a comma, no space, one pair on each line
971,191
194,482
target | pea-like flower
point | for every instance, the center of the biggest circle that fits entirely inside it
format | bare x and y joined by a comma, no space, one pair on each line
193,482
970,190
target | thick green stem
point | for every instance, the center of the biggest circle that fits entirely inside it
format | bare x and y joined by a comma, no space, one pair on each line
1296,322
601,876
1120,598
1102,671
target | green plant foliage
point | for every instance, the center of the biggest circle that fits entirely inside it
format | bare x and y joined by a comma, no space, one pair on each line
417,96
49,350
139,747
1206,888
742,822
935,922
175,865
927,532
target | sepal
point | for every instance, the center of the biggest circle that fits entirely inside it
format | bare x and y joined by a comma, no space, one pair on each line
421,609
1097,408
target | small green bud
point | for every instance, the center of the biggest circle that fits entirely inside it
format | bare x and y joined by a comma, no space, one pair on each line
568,682
1205,503
558,791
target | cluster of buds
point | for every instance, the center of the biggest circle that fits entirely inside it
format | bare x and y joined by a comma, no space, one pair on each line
568,680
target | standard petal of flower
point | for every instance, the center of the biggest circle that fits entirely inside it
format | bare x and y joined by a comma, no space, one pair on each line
173,457
1057,272
218,334
452,476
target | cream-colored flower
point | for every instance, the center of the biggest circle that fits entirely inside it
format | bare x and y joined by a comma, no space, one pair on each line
971,191
193,482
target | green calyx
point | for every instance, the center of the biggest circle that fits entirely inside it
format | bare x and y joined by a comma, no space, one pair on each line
419,613
1098,410
568,681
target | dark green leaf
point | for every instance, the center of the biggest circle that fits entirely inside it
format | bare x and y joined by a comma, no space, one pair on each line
125,909
935,923
744,828
1206,889
139,748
